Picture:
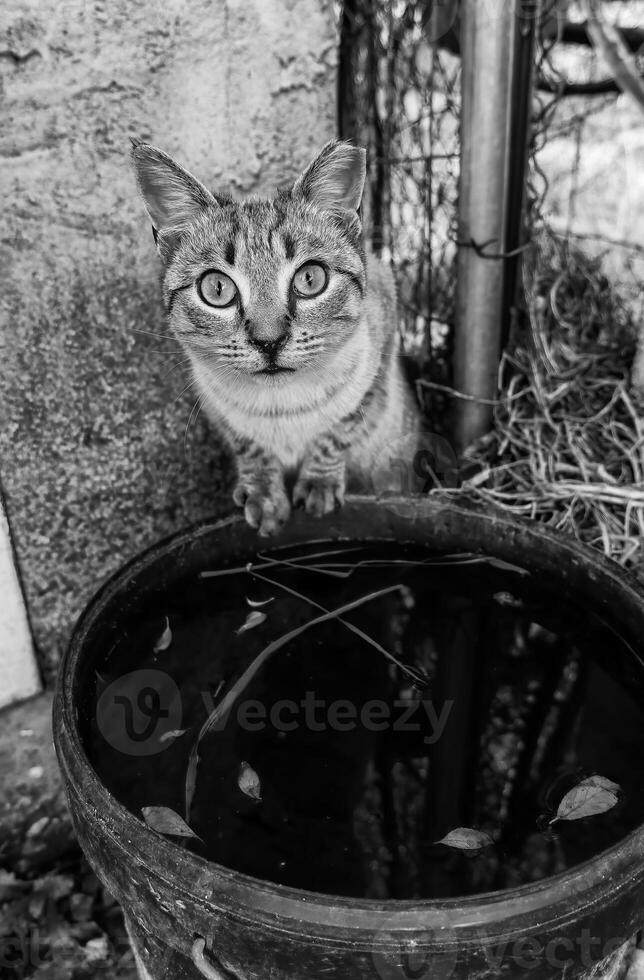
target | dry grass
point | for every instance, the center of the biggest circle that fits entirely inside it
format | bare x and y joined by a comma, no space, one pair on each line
567,447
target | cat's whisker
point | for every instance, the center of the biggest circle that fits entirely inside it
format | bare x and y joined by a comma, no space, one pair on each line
191,384
318,376
182,363
198,405
195,382
151,333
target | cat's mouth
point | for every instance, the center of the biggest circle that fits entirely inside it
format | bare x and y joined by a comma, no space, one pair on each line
275,369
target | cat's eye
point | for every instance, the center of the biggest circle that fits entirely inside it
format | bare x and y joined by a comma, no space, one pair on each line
310,280
217,289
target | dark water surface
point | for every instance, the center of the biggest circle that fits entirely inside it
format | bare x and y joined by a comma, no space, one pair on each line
360,770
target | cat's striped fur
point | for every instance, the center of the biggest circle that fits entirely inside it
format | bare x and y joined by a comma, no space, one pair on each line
303,386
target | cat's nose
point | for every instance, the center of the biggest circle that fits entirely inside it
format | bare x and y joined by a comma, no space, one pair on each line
269,338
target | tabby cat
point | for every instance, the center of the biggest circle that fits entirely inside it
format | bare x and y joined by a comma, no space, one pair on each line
290,328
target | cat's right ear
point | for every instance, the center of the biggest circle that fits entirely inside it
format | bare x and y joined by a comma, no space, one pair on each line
172,196
336,178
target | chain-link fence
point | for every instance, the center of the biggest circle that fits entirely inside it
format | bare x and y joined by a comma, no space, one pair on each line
399,97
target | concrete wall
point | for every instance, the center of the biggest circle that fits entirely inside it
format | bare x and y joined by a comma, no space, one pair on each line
94,462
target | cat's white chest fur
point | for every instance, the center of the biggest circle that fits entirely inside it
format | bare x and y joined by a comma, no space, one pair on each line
286,414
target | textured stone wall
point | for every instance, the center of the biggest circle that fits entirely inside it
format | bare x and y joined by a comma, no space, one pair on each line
96,459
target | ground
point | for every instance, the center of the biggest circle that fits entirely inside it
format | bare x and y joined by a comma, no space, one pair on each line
57,922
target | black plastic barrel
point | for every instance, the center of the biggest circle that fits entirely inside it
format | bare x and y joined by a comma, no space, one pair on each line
190,918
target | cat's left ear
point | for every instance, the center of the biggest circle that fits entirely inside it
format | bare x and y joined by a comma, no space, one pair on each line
336,178
173,198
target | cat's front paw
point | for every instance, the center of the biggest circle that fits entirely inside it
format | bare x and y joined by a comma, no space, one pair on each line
266,505
319,495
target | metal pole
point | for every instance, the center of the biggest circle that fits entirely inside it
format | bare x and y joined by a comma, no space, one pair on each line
491,31
516,219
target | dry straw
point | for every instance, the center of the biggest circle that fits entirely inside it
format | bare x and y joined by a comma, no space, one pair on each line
567,447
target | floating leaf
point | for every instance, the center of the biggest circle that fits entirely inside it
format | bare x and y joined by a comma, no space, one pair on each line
248,782
591,796
466,839
507,599
603,783
166,821
257,603
175,733
252,620
165,639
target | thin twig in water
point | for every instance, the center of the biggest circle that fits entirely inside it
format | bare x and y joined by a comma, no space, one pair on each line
415,675
272,562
